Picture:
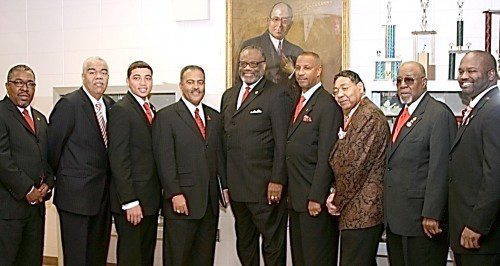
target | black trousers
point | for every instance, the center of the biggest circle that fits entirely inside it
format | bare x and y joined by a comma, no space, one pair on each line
136,243
253,220
85,239
314,240
359,246
21,240
190,242
477,259
417,250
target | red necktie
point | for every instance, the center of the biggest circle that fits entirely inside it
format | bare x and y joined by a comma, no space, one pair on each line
401,121
29,120
199,122
245,95
148,112
298,108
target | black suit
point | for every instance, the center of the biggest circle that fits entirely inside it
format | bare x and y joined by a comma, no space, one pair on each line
475,179
23,161
310,140
255,138
273,62
134,178
416,184
189,165
79,156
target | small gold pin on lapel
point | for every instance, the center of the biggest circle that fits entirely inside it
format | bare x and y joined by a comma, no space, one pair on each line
410,123
38,118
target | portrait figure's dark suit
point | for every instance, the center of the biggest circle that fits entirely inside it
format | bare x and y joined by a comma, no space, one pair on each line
416,183
358,160
475,178
190,165
79,157
273,62
254,143
133,178
309,142
23,163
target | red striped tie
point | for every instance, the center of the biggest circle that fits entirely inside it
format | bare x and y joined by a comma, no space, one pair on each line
102,123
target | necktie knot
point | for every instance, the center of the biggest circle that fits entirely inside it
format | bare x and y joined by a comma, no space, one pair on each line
466,114
98,106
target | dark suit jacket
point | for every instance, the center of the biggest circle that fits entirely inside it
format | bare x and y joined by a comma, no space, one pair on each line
309,142
187,163
475,177
359,161
78,155
132,163
416,183
255,138
273,62
23,160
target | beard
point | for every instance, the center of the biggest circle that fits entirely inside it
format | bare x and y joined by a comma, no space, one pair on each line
408,100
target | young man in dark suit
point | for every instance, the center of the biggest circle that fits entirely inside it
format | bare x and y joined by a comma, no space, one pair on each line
135,191
25,176
475,166
415,182
255,115
311,135
188,149
78,152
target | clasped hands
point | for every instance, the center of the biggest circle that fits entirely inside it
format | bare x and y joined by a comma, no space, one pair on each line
37,195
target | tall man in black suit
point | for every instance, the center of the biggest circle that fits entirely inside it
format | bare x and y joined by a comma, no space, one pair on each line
416,183
280,53
311,136
187,146
135,190
475,166
25,176
255,117
78,144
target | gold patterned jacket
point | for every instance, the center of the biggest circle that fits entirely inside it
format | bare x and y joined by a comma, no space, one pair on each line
359,161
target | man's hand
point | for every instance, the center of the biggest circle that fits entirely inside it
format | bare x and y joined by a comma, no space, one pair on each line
431,227
134,215
34,196
44,189
274,192
470,239
287,65
314,208
332,209
179,205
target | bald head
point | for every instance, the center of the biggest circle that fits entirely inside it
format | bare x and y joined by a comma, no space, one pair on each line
476,73
416,66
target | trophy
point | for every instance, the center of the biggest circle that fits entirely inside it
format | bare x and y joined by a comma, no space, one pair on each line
424,44
487,35
455,55
387,68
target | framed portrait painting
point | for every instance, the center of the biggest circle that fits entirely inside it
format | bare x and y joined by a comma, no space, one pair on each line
320,26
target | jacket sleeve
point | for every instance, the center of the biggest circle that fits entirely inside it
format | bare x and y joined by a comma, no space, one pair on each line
62,122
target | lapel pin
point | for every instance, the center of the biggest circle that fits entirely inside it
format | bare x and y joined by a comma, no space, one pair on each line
341,133
256,92
209,118
38,118
410,123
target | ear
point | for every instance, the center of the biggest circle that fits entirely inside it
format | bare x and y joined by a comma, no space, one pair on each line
320,70
361,87
128,82
424,82
492,74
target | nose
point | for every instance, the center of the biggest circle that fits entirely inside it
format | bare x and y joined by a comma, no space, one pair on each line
463,75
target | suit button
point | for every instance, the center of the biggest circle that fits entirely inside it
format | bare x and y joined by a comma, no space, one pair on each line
233,123
206,146
449,158
288,141
389,169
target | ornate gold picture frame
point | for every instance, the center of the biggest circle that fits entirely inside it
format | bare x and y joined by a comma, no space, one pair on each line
321,26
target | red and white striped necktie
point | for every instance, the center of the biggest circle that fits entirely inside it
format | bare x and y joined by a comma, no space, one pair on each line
102,123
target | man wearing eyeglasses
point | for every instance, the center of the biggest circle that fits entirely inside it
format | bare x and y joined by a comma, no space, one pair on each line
255,117
280,53
78,153
25,176
415,182
475,166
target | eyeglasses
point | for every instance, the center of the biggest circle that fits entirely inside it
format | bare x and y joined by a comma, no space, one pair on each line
285,20
336,91
244,64
408,80
19,83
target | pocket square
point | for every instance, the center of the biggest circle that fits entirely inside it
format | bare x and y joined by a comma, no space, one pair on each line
307,119
256,111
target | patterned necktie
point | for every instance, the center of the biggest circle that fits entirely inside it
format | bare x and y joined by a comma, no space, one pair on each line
199,122
29,120
298,108
401,121
149,114
102,123
465,115
280,48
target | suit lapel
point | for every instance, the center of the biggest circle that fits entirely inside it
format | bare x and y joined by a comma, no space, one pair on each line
88,108
186,116
411,123
256,91
473,114
19,117
305,111
208,122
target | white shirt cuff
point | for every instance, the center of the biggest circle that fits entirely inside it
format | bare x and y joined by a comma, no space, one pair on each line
130,205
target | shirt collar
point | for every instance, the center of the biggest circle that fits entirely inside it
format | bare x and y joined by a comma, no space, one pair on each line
244,85
139,99
191,106
92,99
21,109
276,41
356,107
413,106
476,100
311,91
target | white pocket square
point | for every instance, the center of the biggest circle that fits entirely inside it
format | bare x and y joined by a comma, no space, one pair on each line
256,111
